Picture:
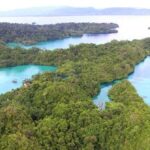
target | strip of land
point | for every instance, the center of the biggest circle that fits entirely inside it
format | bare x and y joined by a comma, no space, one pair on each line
30,34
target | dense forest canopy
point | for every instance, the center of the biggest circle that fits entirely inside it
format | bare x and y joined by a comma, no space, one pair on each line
31,34
56,112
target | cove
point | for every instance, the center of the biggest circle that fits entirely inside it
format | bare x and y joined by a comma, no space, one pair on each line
140,79
19,74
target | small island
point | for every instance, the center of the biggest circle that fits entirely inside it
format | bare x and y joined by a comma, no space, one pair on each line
29,34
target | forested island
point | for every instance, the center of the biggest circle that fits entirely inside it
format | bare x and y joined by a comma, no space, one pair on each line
30,34
56,112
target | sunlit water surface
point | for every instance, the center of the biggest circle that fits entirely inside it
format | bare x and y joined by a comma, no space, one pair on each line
18,74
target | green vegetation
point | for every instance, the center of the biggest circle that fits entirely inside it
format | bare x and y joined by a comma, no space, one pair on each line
56,111
31,34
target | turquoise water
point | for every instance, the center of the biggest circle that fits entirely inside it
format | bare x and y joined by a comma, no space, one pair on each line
140,79
51,45
66,42
19,74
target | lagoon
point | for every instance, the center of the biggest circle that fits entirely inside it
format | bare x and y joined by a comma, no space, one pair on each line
19,74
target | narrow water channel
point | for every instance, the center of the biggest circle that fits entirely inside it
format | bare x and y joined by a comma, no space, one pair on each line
140,79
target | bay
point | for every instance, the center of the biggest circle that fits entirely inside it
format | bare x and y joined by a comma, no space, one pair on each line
18,74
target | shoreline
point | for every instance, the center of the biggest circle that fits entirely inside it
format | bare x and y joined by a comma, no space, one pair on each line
112,83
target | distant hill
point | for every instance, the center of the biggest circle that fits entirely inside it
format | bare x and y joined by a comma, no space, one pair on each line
74,11
124,11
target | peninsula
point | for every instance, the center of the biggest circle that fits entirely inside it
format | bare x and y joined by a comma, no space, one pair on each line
29,34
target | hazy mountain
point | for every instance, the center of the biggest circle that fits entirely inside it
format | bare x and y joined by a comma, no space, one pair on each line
72,11
124,11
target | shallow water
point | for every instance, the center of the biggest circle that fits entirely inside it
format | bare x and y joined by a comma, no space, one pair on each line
19,74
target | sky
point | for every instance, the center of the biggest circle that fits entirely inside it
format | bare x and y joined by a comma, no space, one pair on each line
16,4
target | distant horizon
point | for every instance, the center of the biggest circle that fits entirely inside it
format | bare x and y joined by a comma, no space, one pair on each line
55,7
73,11
100,4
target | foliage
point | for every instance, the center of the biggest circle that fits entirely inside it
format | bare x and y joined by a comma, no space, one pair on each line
56,111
